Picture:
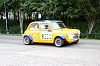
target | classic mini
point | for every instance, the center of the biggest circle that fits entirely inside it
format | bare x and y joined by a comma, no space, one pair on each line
50,31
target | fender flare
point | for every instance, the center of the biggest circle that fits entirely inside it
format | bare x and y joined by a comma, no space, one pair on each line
63,37
27,36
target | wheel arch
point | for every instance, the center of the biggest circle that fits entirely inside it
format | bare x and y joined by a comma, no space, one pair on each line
28,35
62,37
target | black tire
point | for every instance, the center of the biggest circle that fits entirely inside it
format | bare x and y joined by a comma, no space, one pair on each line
27,40
59,42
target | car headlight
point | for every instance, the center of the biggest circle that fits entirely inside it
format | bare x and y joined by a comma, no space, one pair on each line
72,36
79,32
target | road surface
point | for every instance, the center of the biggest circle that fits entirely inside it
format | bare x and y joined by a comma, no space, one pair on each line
14,53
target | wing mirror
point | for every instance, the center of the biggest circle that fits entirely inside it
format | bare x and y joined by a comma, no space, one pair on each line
49,30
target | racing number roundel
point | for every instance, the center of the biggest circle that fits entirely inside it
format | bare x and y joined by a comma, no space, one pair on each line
46,36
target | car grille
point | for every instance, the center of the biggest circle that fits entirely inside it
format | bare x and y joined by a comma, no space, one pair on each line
73,36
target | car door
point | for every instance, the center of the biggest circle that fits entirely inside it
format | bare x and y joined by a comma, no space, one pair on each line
45,33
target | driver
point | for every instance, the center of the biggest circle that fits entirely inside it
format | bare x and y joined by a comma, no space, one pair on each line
46,26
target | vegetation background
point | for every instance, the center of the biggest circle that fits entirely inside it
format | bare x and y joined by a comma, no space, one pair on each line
15,15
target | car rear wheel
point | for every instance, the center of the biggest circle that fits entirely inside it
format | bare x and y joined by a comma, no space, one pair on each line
59,42
26,40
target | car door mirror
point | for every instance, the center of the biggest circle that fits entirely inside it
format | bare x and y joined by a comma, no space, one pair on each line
49,30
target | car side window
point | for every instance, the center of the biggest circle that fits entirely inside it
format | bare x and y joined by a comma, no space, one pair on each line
44,27
34,26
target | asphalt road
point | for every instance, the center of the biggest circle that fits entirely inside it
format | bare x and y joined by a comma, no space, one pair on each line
14,53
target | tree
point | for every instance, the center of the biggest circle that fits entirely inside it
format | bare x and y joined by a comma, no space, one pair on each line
15,6
4,6
90,9
47,8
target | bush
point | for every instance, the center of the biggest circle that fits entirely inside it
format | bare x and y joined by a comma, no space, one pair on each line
14,28
83,27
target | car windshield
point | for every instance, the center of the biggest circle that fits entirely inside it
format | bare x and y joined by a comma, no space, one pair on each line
58,25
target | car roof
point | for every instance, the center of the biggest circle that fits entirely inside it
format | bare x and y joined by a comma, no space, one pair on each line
48,21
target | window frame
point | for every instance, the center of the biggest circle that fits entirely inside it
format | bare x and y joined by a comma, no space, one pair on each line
35,28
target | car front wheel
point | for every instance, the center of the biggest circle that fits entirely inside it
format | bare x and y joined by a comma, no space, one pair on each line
26,40
59,42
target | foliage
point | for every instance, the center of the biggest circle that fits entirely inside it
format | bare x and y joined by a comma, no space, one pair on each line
84,31
90,9
47,8
15,29
65,10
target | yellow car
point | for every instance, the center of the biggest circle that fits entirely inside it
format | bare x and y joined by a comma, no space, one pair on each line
50,31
